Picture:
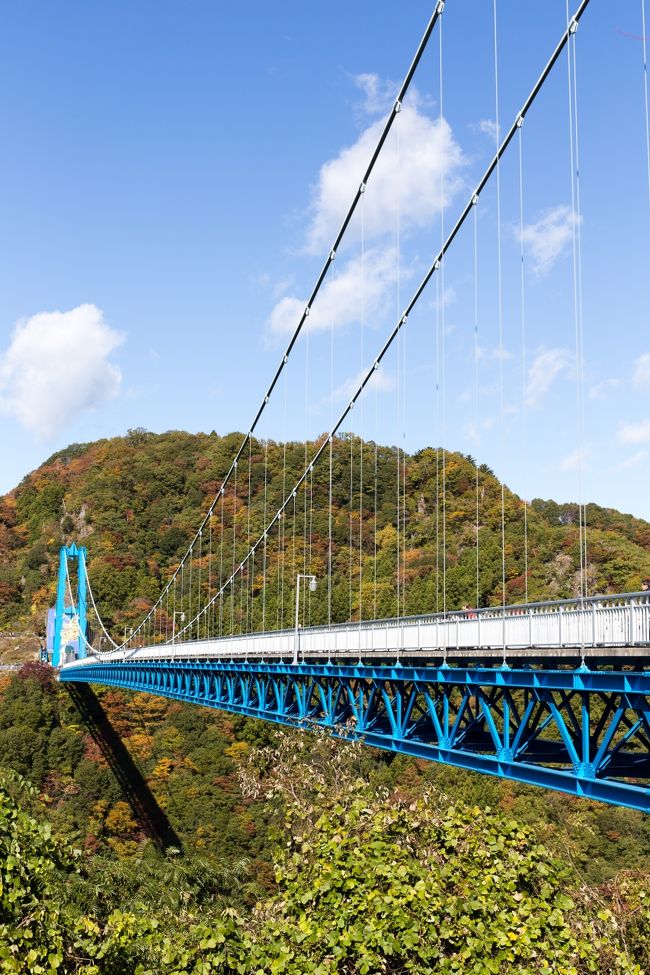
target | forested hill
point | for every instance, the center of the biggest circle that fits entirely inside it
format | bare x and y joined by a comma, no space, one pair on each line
135,502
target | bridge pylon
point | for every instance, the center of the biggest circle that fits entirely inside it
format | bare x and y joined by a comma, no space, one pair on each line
70,613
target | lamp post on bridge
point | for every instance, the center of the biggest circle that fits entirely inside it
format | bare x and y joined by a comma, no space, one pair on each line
181,613
312,588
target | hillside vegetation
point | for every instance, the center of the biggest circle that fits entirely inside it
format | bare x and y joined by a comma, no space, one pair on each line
136,501
367,881
291,853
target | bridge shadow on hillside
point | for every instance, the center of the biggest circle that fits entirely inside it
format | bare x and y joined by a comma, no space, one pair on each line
148,814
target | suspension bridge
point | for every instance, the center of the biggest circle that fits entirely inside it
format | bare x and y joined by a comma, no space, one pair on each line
554,693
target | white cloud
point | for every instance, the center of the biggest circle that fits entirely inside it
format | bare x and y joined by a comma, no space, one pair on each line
549,237
380,381
545,368
635,432
344,297
418,181
576,460
57,366
602,389
493,353
379,95
488,127
642,370
633,460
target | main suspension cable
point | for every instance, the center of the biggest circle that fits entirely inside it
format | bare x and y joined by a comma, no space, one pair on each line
315,291
502,147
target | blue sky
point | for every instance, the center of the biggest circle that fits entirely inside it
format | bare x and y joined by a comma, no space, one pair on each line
172,174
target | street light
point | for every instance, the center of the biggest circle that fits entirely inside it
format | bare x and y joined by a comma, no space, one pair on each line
312,588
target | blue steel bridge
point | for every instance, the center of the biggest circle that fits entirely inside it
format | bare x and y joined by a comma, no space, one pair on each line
554,694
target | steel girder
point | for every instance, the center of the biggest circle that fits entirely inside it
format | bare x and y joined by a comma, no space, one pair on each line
585,732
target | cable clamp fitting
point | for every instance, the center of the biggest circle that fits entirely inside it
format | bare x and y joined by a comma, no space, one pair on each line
398,107
332,254
404,319
573,26
436,265
266,399
307,312
520,121
351,406
475,200
362,188
286,359
441,6
376,364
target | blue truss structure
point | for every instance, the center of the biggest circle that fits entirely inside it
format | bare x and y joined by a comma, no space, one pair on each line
580,731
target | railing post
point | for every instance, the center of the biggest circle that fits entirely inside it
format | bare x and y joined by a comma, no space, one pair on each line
593,624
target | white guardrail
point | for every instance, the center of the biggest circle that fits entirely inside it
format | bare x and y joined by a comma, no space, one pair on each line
593,622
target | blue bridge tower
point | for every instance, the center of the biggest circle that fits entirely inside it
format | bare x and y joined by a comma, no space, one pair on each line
70,614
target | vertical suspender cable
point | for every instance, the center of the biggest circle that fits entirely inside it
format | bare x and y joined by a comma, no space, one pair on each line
249,593
208,625
576,299
331,449
361,365
222,533
374,541
265,543
234,543
476,400
524,379
294,566
182,587
198,585
500,314
398,560
174,607
438,442
581,361
645,92
304,526
443,364
350,516
190,591
284,489
311,538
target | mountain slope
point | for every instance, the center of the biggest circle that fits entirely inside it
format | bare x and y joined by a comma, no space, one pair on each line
135,502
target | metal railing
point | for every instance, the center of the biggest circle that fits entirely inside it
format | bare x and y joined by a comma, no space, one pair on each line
619,621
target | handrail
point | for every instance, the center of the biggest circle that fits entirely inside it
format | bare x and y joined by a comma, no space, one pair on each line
576,611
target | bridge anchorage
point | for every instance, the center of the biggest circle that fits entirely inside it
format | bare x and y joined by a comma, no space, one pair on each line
552,693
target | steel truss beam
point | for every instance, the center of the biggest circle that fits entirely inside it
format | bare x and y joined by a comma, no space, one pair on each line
584,732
